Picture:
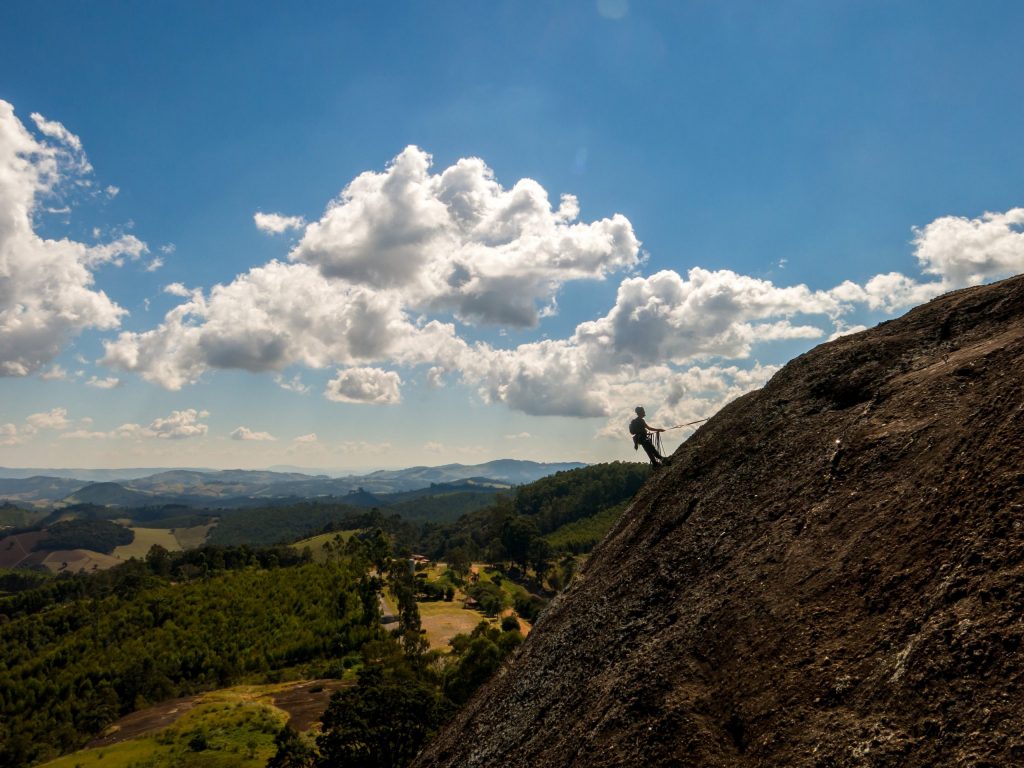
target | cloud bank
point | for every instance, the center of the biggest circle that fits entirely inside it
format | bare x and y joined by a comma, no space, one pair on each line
404,257
47,293
398,268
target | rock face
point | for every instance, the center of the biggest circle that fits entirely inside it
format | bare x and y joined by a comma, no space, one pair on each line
831,573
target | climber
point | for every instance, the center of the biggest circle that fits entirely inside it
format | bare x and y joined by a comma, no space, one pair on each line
641,432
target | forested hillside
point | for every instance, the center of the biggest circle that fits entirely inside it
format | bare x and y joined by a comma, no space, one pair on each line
277,524
79,652
515,527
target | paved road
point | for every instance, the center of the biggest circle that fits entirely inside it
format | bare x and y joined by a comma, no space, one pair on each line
388,614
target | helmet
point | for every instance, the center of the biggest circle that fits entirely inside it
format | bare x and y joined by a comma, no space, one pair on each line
639,410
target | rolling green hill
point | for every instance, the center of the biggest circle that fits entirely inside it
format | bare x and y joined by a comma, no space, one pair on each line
79,652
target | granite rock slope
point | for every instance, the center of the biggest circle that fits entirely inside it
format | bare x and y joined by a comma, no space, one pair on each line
831,573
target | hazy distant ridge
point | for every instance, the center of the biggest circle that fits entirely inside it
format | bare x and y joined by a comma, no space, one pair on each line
198,486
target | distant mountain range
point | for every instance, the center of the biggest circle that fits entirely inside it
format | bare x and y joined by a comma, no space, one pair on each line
235,487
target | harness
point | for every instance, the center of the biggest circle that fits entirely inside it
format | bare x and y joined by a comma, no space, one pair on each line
640,434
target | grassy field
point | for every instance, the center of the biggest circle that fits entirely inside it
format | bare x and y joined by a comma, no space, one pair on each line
230,733
78,561
444,620
146,538
171,539
190,538
509,588
316,543
229,728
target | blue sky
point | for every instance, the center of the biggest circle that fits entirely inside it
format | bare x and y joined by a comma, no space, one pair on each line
822,166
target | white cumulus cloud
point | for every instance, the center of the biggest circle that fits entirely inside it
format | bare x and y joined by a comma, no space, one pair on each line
47,293
458,240
275,223
56,418
9,434
177,426
180,424
405,257
56,130
294,384
54,373
397,242
244,433
272,317
964,251
365,385
669,318
105,383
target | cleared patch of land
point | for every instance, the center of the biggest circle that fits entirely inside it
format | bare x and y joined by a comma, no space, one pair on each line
319,544
232,732
306,701
17,551
190,538
145,538
239,724
443,621
14,550
146,721
76,560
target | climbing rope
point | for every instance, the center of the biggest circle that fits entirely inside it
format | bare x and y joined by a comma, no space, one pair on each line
687,424
657,435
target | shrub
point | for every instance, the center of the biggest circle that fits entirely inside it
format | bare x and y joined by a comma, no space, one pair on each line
198,742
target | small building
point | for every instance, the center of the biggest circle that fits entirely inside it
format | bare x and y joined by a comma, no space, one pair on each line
418,562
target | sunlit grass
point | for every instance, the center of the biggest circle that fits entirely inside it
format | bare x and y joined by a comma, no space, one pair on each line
316,543
190,538
229,728
444,620
146,538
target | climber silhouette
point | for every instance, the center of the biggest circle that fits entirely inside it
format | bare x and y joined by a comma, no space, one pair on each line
641,432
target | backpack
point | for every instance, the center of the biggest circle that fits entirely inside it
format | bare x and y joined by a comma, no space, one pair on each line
637,426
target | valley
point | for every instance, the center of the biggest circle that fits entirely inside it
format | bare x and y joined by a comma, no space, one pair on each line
157,643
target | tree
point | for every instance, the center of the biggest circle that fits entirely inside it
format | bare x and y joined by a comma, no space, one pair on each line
517,535
159,560
539,555
489,596
482,657
292,750
369,596
380,723
198,742
459,561
378,548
